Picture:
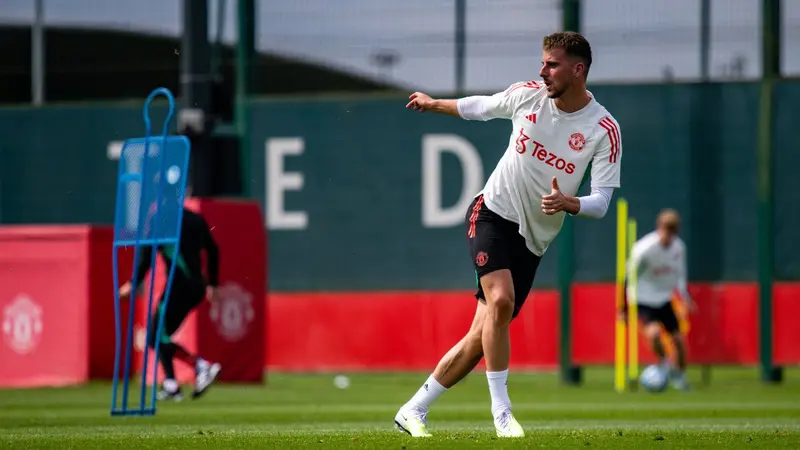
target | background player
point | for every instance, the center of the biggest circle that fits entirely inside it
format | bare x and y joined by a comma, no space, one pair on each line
189,287
558,129
659,259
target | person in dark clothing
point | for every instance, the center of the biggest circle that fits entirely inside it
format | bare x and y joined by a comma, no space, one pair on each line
189,288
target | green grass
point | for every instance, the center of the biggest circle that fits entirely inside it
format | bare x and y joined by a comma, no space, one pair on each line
307,411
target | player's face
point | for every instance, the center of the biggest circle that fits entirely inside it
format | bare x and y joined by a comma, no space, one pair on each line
558,71
667,234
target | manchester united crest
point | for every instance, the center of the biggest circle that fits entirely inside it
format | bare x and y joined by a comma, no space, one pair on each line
22,325
233,311
577,141
482,259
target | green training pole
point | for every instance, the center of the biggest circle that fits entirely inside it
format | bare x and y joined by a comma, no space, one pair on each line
570,375
245,49
770,43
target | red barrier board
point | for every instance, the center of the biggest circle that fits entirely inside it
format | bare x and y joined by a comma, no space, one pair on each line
412,330
100,279
57,301
56,305
785,332
231,331
394,330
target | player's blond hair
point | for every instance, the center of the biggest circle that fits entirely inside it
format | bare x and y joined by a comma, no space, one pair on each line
668,218
573,44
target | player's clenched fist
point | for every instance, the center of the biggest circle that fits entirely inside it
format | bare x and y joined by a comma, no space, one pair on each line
419,101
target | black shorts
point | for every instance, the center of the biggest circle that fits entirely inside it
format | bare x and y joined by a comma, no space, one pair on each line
184,297
495,244
664,315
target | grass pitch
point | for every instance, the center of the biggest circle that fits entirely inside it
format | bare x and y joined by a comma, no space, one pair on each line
307,411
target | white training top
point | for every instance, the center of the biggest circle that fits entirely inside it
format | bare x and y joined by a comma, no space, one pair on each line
660,270
545,142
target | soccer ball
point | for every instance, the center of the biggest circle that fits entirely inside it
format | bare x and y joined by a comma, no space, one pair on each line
341,381
654,379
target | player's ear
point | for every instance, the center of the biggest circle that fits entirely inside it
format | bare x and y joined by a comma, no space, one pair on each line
578,69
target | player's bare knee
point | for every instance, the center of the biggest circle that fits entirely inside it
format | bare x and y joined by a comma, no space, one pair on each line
652,331
500,307
498,288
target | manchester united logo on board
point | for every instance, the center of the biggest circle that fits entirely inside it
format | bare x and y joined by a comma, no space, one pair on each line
233,312
23,324
577,141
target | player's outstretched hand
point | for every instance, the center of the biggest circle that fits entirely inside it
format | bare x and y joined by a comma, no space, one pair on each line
419,101
125,291
211,294
555,201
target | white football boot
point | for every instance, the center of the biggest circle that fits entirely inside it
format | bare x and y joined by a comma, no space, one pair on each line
507,426
206,375
411,421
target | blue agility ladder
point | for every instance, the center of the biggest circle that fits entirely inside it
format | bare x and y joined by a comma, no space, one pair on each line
151,187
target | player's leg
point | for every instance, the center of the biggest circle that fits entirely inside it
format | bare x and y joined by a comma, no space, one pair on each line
679,380
456,364
189,294
522,272
462,358
670,321
173,316
496,246
183,298
498,289
651,328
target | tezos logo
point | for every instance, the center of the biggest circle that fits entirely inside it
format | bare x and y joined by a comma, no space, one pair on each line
233,311
22,325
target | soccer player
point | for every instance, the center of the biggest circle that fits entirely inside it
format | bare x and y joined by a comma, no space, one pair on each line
189,288
557,129
659,261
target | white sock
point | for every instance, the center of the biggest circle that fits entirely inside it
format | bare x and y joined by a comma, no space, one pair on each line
666,365
498,388
426,395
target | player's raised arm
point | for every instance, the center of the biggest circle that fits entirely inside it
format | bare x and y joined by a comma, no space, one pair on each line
475,107
421,102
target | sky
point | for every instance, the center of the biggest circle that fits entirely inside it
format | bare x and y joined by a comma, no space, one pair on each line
632,40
